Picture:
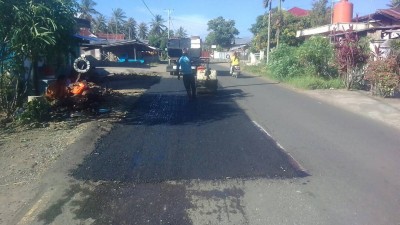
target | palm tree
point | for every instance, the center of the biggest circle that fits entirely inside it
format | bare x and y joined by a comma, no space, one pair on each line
100,24
394,3
130,28
143,31
157,25
267,4
118,16
86,9
181,33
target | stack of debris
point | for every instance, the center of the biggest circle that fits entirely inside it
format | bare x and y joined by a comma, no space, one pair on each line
76,96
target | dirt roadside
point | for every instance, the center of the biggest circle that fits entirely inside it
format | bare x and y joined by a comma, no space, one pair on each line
26,154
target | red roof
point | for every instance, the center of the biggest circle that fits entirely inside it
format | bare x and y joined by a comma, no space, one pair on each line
111,36
296,11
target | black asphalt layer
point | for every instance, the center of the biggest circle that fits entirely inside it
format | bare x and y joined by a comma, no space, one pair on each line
175,161
168,137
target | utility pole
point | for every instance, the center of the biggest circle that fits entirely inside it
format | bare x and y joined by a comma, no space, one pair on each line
169,11
269,30
278,31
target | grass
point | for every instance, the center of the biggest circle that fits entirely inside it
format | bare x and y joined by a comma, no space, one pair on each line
313,82
258,69
307,82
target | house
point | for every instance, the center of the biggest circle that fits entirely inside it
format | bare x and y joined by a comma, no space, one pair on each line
298,12
111,37
241,45
381,26
129,52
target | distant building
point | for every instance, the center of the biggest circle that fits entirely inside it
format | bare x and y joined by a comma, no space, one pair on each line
298,12
381,27
111,37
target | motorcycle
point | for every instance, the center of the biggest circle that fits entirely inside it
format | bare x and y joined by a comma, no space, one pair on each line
235,71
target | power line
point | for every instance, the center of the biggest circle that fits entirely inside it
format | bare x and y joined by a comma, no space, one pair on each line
148,8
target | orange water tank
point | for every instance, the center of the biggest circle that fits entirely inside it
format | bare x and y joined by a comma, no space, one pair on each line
343,12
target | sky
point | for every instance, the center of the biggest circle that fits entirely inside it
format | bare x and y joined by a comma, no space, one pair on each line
193,15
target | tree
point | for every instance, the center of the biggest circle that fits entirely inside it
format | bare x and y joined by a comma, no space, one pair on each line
30,30
222,32
394,3
181,33
289,25
118,18
266,4
143,31
100,24
87,10
159,41
130,28
157,25
320,14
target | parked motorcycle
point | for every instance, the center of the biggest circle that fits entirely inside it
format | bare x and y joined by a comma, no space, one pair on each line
235,71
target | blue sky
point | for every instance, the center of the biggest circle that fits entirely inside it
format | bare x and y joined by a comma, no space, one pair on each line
193,15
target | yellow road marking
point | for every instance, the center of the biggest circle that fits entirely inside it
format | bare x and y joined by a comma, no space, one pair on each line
31,214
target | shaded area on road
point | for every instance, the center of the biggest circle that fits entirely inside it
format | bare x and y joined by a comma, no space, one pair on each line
121,203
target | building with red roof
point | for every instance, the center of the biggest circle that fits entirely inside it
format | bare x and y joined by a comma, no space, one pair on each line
298,12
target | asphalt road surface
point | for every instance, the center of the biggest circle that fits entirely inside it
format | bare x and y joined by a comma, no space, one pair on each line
253,153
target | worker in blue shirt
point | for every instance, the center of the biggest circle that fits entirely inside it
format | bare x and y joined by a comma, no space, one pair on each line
189,81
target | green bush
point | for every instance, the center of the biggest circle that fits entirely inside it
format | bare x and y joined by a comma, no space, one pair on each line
284,63
383,75
11,93
315,57
34,111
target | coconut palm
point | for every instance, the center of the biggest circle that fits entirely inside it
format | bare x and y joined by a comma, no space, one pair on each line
181,33
100,24
130,28
394,3
118,16
143,31
157,25
86,9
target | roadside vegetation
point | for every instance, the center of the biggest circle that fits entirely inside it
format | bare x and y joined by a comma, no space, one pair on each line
308,66
322,62
30,30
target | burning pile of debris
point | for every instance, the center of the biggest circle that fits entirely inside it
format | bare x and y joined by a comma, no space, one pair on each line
84,98
78,95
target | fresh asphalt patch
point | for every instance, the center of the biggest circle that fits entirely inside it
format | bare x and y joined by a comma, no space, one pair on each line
169,138
173,161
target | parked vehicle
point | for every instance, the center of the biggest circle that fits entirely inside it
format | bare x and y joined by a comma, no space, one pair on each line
175,47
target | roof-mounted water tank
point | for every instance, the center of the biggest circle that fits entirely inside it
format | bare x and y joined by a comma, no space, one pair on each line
343,12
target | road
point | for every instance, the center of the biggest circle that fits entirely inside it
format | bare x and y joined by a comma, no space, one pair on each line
254,153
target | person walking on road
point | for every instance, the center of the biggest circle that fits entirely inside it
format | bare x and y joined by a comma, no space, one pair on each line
188,77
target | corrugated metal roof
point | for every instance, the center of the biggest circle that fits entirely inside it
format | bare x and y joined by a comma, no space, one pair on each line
393,13
89,38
